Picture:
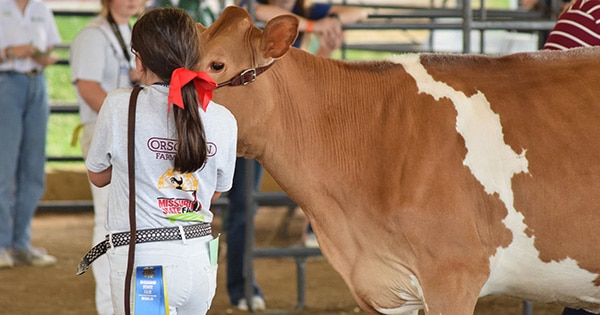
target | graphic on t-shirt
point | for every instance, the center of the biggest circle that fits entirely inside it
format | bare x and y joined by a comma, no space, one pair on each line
182,209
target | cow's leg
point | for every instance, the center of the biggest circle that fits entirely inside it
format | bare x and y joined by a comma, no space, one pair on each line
455,309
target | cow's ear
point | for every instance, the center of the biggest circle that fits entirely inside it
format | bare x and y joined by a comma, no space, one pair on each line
278,35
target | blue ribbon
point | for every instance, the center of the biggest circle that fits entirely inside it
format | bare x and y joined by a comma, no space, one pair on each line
150,293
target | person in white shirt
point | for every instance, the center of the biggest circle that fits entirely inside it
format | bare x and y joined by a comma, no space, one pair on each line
101,61
28,33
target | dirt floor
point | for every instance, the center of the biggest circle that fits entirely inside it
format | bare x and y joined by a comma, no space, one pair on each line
58,291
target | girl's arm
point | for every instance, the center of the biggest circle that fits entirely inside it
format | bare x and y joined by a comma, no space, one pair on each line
348,14
215,196
100,179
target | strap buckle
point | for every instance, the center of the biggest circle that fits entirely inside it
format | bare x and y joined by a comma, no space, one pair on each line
248,76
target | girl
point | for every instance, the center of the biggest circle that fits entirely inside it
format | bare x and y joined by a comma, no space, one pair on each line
185,153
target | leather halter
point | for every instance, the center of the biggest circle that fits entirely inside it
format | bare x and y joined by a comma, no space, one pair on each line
246,77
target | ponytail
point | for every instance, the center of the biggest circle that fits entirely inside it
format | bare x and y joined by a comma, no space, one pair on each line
192,149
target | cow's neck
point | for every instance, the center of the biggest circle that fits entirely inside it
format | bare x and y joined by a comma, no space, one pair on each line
306,121
315,136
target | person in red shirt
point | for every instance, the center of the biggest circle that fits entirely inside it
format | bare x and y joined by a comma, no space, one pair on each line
577,26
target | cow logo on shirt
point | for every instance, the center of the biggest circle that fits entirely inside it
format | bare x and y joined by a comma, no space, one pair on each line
185,209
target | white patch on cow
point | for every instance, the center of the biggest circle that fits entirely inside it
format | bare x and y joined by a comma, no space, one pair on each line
488,157
516,269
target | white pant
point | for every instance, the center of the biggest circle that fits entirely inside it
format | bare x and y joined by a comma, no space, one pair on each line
100,267
191,281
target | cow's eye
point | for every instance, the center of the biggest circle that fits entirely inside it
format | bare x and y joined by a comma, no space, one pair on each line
217,66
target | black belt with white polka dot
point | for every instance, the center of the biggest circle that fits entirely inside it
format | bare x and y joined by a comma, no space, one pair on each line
143,236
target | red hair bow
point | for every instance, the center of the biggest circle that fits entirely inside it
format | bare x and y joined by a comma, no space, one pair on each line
202,81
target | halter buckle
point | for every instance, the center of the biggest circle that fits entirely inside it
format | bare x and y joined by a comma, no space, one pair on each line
248,76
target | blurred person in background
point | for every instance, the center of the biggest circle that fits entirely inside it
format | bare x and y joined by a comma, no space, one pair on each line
101,61
28,33
202,11
316,18
577,26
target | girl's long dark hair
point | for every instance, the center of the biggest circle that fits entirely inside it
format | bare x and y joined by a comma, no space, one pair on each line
167,39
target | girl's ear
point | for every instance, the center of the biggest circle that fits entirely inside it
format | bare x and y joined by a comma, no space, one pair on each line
138,64
139,69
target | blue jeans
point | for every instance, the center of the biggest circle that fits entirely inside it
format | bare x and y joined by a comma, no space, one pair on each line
23,127
236,230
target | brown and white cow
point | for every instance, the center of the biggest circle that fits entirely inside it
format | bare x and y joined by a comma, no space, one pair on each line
430,180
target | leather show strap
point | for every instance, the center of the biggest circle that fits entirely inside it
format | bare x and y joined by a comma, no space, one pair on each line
132,221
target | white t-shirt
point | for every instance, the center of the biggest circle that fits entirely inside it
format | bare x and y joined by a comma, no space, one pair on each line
36,26
96,55
160,192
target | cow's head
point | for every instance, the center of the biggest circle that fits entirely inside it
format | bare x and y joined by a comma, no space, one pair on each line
234,41
233,44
